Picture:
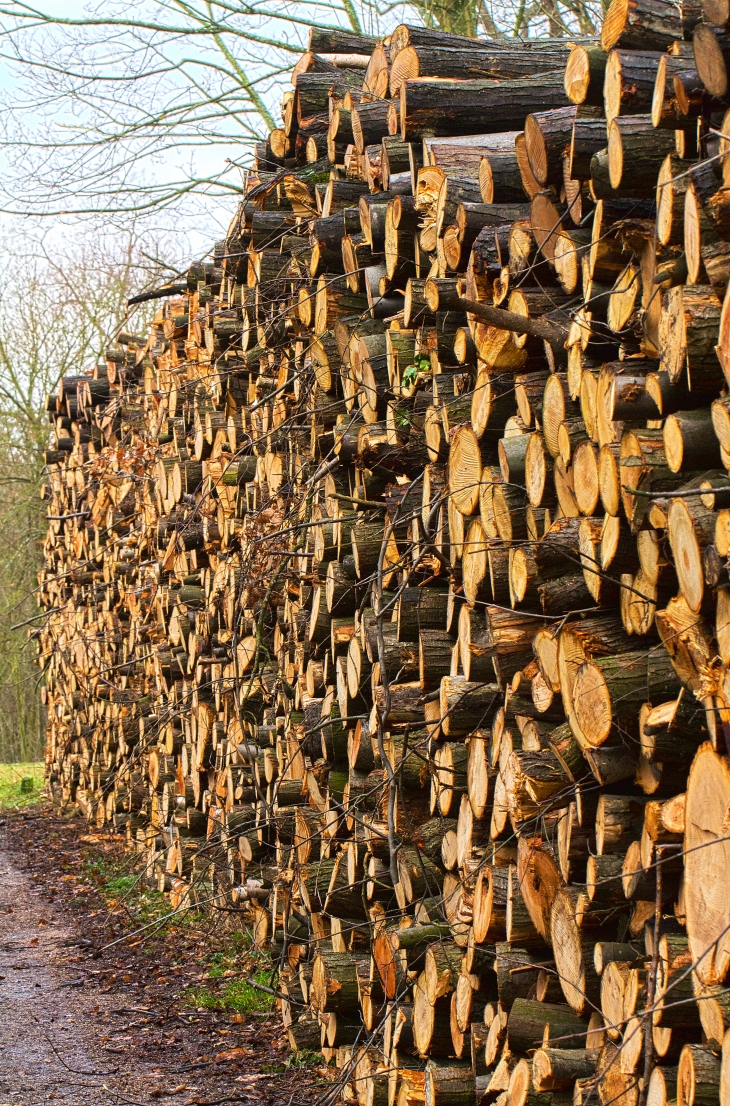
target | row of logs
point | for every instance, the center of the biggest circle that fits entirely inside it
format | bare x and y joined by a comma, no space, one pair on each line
386,588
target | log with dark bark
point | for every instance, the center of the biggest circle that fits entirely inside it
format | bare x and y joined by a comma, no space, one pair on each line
450,107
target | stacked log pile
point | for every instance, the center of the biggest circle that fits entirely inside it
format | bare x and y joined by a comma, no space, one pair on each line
386,579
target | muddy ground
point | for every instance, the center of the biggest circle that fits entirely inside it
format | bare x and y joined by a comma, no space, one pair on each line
86,1025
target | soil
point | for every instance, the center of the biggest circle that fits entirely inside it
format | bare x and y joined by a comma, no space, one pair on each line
88,1025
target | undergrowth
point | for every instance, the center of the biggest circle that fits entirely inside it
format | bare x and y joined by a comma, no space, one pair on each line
305,1058
122,889
228,969
225,967
235,995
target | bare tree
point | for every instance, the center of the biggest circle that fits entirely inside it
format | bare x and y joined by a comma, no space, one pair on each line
131,109
58,309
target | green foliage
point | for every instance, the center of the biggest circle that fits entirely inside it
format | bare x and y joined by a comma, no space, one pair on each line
236,995
228,969
296,1061
13,794
410,374
305,1058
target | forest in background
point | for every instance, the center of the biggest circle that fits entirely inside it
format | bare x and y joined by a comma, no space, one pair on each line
59,305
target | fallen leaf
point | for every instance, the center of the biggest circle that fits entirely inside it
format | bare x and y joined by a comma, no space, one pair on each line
33,942
42,922
230,1055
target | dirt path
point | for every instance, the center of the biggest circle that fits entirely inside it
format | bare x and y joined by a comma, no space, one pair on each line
111,1030
57,1033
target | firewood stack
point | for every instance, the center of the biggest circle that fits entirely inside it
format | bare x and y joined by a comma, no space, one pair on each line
386,580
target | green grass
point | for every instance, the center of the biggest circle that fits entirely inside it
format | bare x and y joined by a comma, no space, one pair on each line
225,969
12,797
305,1058
236,996
297,1061
121,888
